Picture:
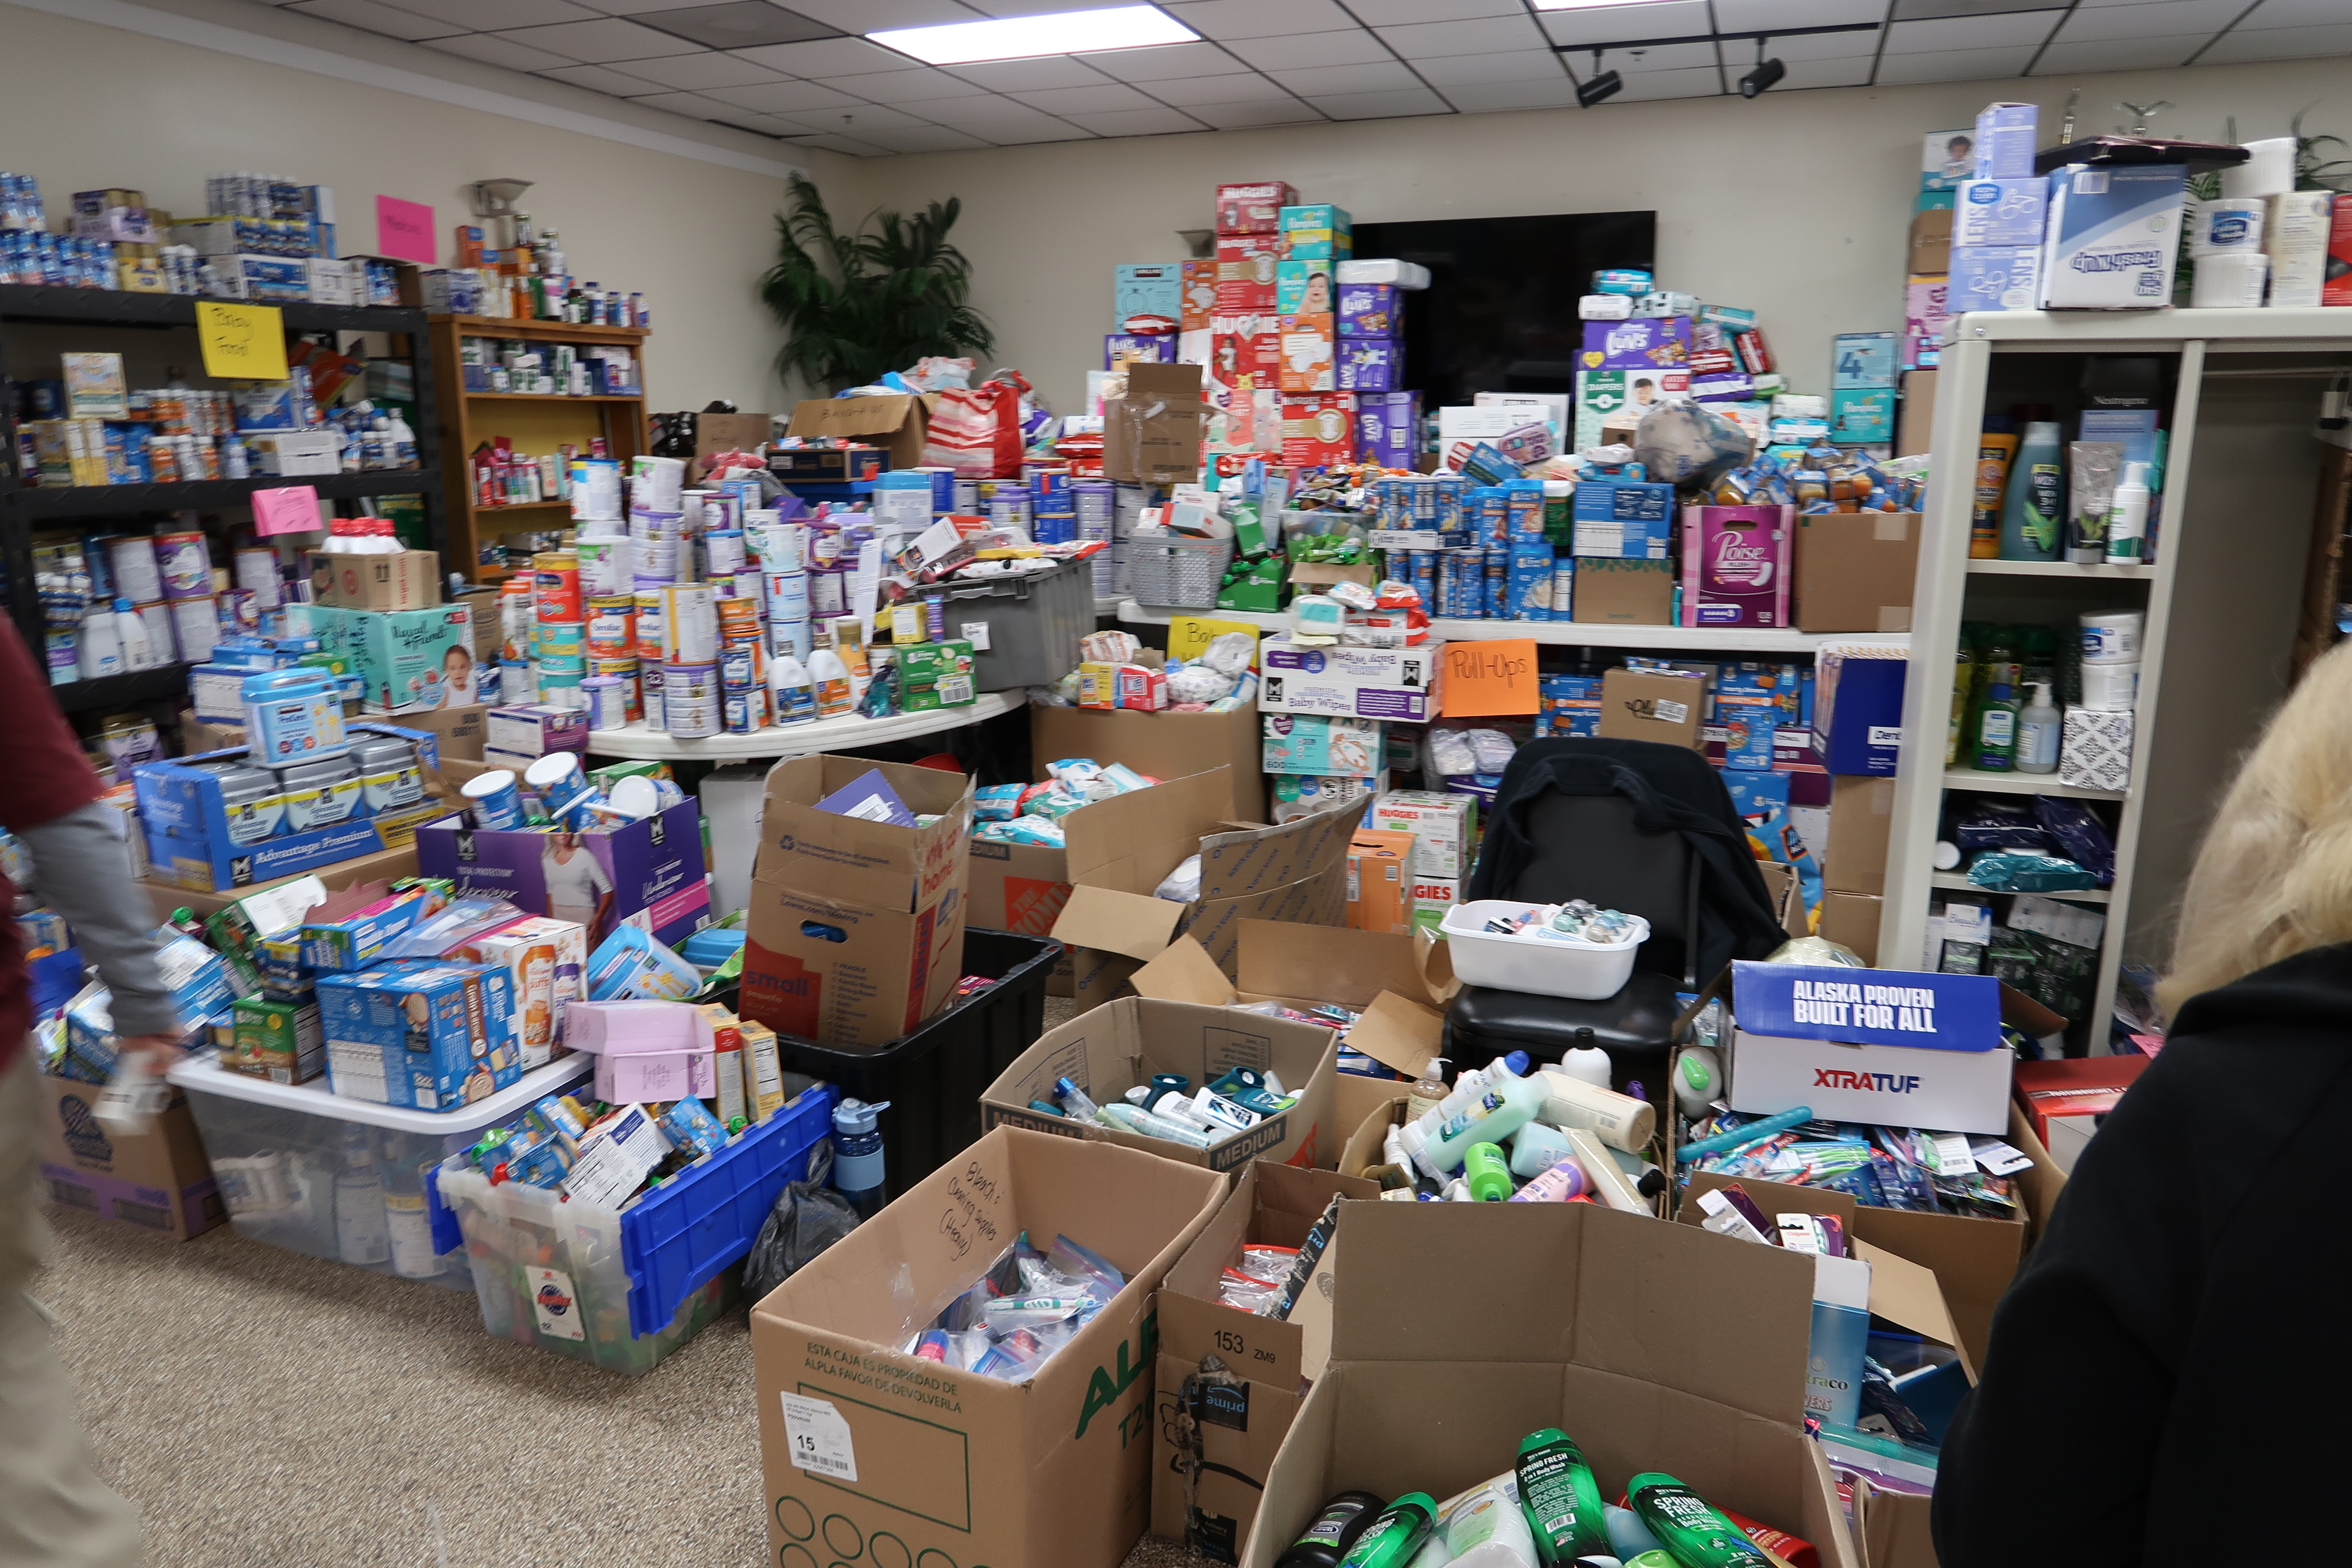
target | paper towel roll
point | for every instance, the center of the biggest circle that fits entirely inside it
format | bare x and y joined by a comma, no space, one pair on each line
2226,225
2270,172
2230,281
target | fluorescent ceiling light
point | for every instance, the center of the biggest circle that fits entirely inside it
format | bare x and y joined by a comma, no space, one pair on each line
1026,37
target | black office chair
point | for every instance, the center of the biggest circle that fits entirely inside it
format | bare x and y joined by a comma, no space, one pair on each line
1589,848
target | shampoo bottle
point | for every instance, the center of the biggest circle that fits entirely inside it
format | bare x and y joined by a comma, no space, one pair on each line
2038,729
1336,1529
1396,1535
1586,1061
1559,1497
1509,1103
2127,517
2034,512
1996,747
1693,1533
1429,1092
1628,1536
1488,1177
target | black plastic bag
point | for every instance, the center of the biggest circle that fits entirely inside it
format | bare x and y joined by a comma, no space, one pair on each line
809,1216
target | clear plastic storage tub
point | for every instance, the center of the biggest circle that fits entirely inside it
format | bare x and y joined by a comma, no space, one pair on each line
1546,965
318,1173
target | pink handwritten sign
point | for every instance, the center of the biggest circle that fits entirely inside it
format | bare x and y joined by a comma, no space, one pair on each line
293,509
403,230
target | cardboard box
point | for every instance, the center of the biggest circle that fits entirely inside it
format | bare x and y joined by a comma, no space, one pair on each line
1379,881
1931,244
1853,919
953,1467
384,864
158,1180
716,433
647,874
1159,745
1854,570
1361,683
461,732
1613,592
1858,710
414,660
1110,1048
856,927
1247,1372
410,580
1914,427
1398,982
1861,820
1152,435
2113,237
1647,705
894,422
1570,1337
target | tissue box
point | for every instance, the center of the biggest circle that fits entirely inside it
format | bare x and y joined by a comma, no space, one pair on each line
2094,749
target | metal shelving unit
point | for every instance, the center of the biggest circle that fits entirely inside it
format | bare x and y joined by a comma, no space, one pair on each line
2220,596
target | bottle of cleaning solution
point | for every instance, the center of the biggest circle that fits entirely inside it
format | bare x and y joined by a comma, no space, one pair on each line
1692,1533
857,1161
830,673
1508,1104
1486,1175
794,693
2038,731
1996,747
1428,1092
1395,1535
2034,512
131,635
1326,1541
363,1229
101,650
1586,1061
1559,1497
2127,517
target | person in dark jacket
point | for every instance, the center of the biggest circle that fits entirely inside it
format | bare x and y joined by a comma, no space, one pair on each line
2156,1390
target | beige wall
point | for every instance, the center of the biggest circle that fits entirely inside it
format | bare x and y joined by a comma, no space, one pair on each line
1794,204
85,106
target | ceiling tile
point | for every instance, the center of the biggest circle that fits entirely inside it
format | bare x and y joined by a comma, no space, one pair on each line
1244,116
1817,47
765,124
924,139
1250,89
1381,105
1321,81
1954,65
707,69
2028,28
1489,70
2278,44
1649,86
1152,121
1352,47
785,96
639,7
856,149
1737,16
495,51
1166,63
601,41
1259,19
2164,18
1648,61
1103,100
495,15
1848,70
829,56
855,120
1430,40
1031,76
2119,54
903,87
2291,13
1607,24
1557,92
997,119
604,79
391,21
738,24
873,15
1035,7
693,105
1400,13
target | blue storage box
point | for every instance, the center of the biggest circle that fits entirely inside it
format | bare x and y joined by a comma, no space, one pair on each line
1864,734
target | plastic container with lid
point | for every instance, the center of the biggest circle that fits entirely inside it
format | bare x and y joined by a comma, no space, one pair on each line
494,800
390,776
320,793
255,803
293,716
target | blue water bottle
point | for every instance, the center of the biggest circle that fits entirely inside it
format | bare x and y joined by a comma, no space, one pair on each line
858,1172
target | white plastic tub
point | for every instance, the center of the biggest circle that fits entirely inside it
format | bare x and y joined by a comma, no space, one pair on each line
1546,965
318,1172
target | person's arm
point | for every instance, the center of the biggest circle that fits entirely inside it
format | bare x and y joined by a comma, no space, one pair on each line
85,875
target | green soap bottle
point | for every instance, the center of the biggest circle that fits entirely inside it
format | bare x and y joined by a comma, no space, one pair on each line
1559,1497
1693,1533
1996,748
1487,1173
1396,1536
2034,512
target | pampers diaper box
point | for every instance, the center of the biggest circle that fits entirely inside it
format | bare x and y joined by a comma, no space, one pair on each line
2112,236
414,660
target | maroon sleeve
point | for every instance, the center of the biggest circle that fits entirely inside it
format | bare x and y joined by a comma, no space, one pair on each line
44,776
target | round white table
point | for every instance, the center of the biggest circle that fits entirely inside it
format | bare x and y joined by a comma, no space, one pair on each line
799,740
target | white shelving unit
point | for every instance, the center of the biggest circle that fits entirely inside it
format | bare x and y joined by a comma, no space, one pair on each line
639,743
1724,641
2220,596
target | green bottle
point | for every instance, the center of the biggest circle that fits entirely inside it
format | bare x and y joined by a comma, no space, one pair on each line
1486,1172
2034,513
1559,1497
1396,1536
1693,1533
1996,750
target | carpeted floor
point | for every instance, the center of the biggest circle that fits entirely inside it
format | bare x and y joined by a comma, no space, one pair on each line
269,1410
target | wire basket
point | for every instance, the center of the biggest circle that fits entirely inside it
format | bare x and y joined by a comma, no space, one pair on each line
1173,572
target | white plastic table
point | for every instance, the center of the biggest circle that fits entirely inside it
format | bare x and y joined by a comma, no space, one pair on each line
637,741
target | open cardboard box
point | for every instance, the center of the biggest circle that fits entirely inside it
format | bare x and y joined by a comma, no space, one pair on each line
1120,849
954,1467
1610,1326
1110,1048
158,1180
1161,745
1152,435
1248,1372
895,422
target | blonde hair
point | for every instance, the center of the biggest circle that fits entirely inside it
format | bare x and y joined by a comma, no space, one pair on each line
2275,876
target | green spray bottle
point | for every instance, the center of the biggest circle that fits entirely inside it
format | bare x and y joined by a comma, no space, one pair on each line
1559,1497
1694,1534
1396,1536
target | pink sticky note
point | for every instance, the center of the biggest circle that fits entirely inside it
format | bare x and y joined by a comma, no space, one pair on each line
403,230
292,510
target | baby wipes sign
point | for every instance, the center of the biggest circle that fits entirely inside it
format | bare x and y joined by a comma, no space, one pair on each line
1867,1006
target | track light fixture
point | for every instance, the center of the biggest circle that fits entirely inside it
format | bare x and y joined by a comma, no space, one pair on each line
1767,74
1599,86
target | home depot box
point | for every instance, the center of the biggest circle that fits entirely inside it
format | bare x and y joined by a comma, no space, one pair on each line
1649,705
1854,571
1119,850
864,1448
157,1180
894,422
1115,1047
1607,1325
855,932
1230,1382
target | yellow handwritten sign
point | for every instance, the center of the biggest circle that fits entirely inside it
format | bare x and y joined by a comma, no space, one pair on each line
1490,677
242,343
1188,634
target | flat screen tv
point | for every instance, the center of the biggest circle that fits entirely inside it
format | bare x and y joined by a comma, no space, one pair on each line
1500,313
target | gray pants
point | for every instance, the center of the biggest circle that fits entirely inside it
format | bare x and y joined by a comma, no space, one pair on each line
54,1510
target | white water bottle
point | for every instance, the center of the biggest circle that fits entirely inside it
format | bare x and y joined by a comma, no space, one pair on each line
131,636
2038,731
101,650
